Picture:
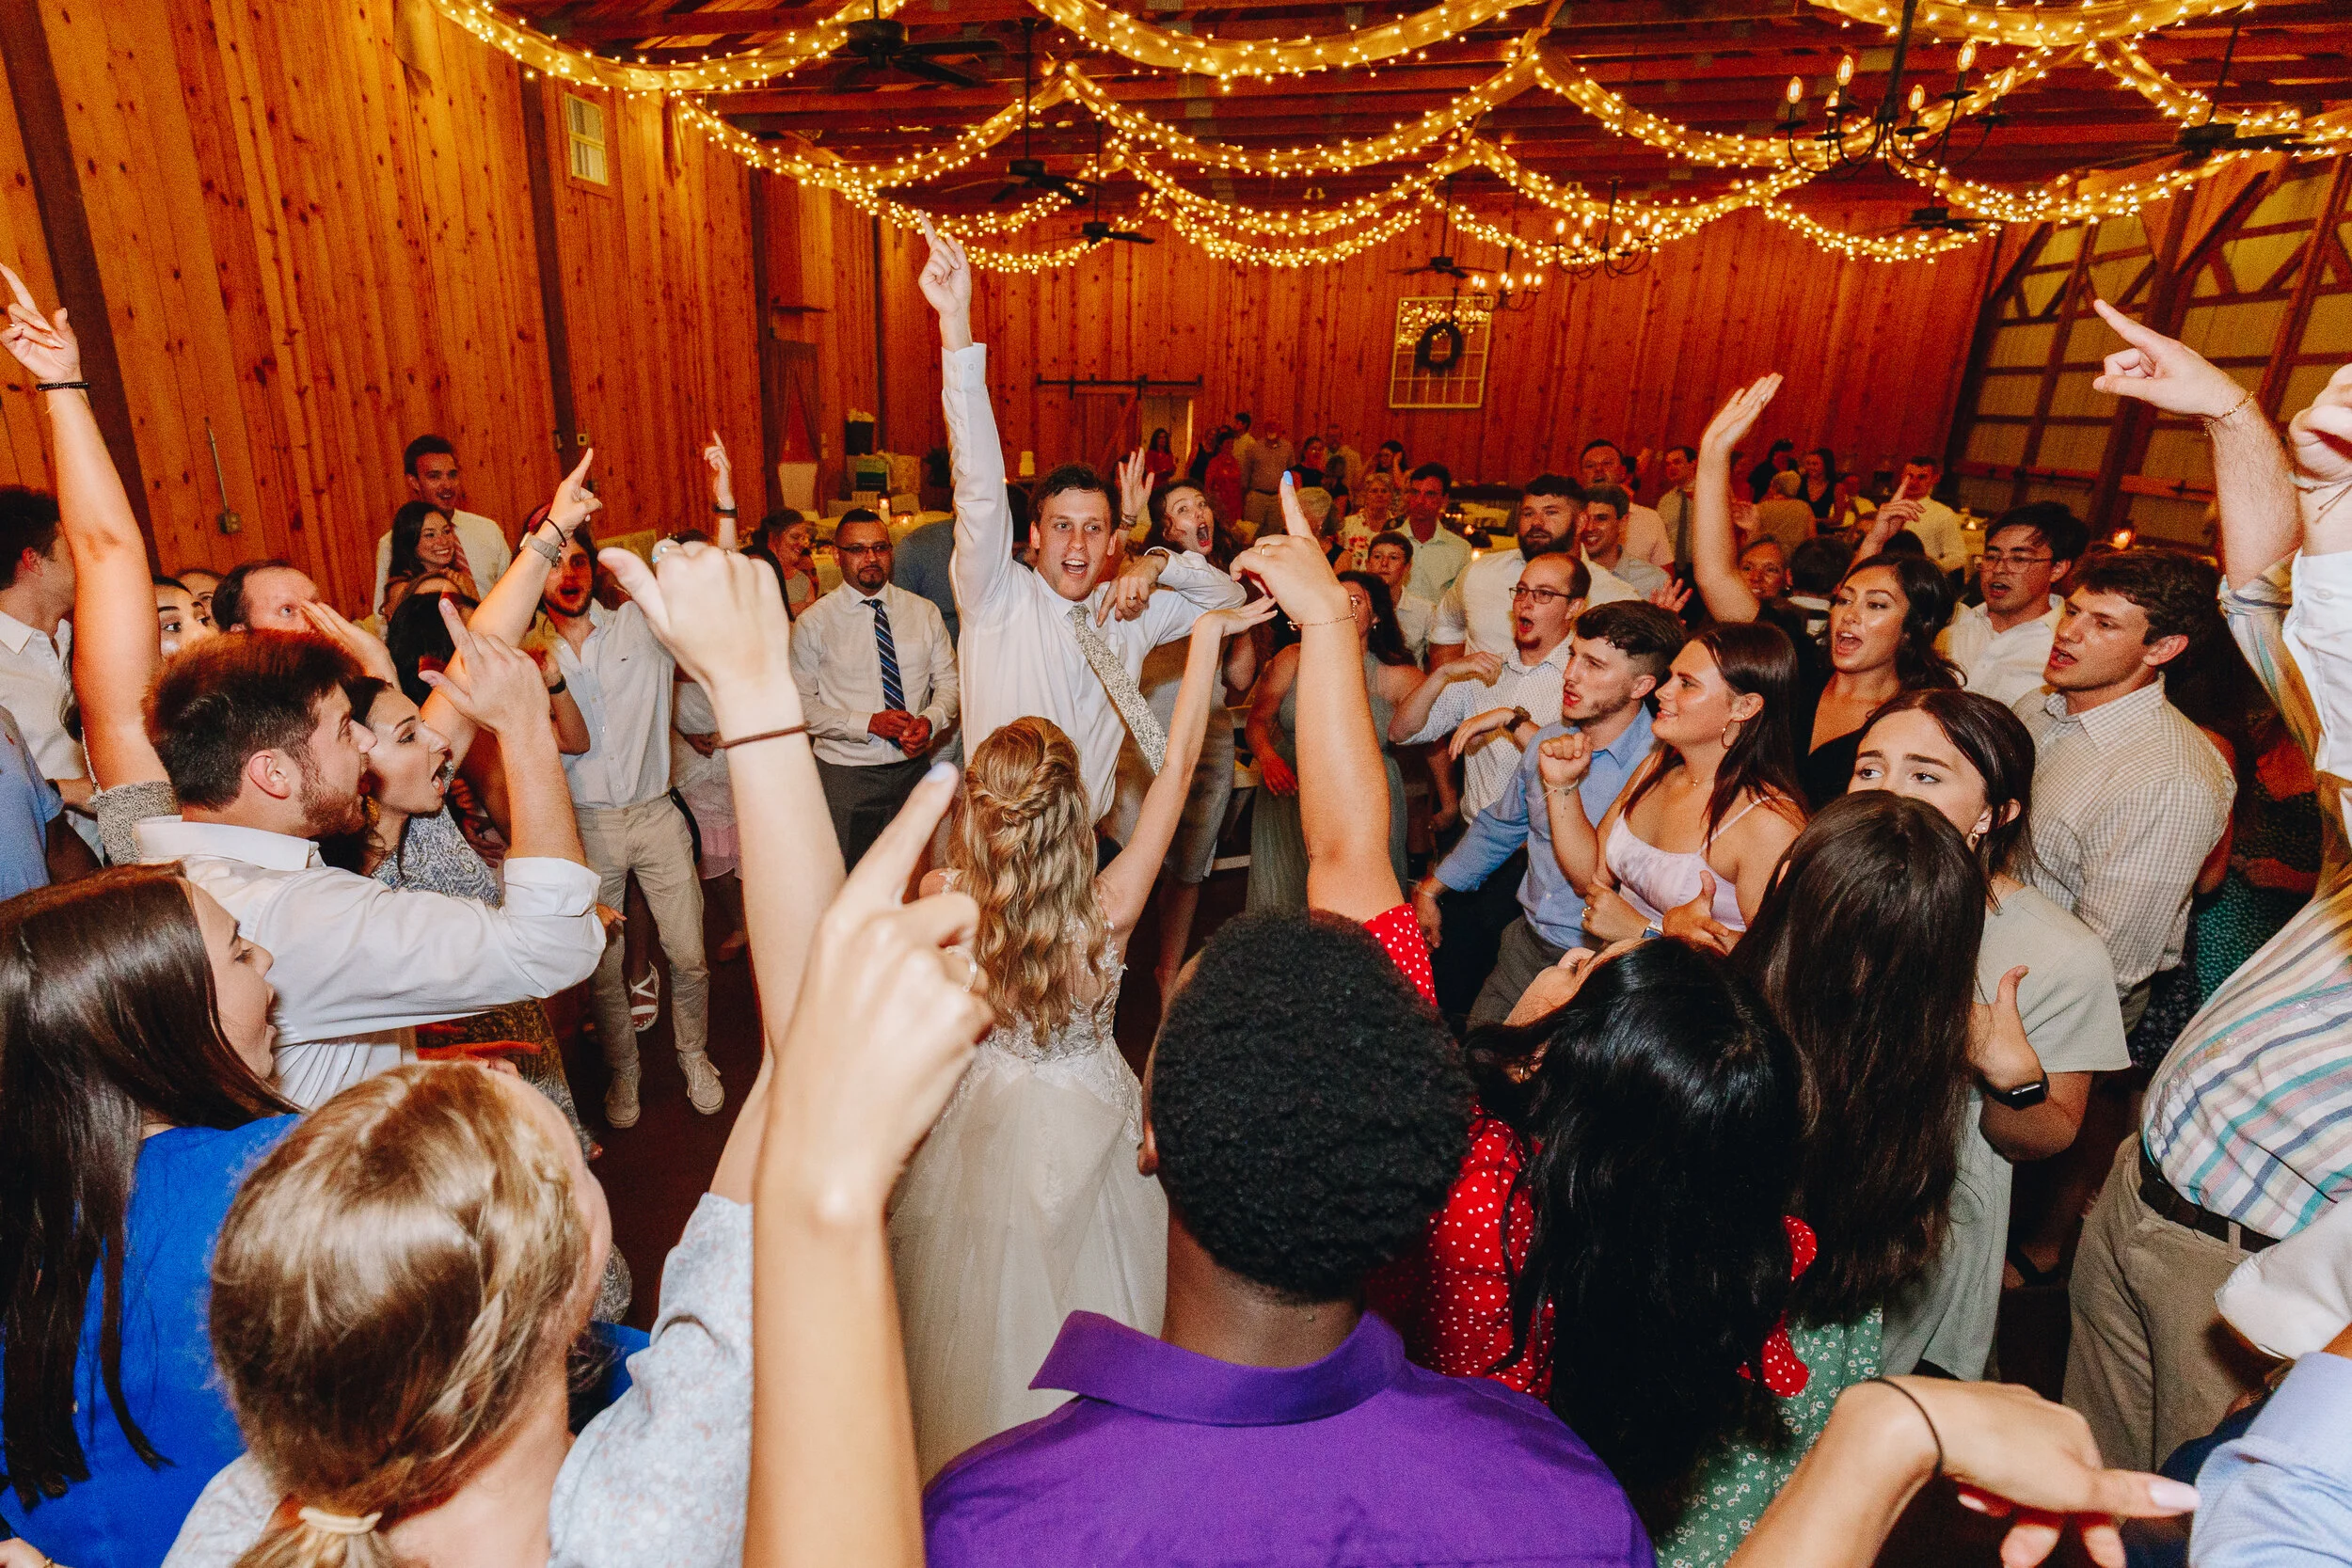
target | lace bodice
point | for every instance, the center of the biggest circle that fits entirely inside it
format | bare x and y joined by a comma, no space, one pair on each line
1087,1029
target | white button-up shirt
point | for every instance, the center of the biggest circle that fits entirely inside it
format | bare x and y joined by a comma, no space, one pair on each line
358,965
486,552
2128,798
1020,655
1487,767
1436,560
836,662
37,687
620,677
2003,665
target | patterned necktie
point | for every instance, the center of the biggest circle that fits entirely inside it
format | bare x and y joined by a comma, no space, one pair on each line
893,695
1141,721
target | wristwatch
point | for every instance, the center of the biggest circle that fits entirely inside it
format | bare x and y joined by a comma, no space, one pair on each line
1520,716
2025,1097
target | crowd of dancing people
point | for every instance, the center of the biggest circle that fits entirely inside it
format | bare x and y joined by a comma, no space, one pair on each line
1632,1185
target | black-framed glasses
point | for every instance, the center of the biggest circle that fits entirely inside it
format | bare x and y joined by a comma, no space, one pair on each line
1541,596
882,549
2014,558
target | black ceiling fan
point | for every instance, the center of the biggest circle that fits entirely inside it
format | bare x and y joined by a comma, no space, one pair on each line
2196,144
1939,219
1441,262
1096,229
1028,171
879,43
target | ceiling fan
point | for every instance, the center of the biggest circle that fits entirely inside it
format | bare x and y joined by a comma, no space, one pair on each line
879,43
2196,144
1096,229
1441,262
1939,219
1028,171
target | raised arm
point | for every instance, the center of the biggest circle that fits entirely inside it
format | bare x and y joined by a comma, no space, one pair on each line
1418,720
881,1032
721,617
1125,885
1562,763
1340,768
500,689
115,651
2320,439
2252,490
1714,549
982,566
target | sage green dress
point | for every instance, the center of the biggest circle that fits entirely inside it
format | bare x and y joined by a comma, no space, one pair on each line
1737,1482
1278,845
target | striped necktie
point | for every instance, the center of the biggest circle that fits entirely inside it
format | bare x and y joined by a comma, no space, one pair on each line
1124,694
894,694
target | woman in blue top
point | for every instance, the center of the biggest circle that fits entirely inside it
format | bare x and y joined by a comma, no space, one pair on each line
134,1060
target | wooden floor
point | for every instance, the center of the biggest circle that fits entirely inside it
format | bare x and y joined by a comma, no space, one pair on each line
655,1172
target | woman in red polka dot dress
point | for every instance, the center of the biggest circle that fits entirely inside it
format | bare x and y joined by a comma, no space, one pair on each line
1634,1269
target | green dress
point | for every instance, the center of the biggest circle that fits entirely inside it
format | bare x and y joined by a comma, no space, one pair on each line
1738,1481
1278,845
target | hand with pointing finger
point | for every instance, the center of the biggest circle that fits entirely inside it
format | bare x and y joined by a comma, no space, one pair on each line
44,345
2157,370
504,691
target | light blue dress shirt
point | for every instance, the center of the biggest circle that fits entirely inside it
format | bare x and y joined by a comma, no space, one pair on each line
2280,1497
1552,907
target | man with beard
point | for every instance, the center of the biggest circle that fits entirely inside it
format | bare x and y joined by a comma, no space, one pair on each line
1064,641
1476,613
620,675
1621,653
878,686
2002,644
257,737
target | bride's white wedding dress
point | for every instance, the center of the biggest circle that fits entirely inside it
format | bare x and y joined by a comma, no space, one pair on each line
1023,1206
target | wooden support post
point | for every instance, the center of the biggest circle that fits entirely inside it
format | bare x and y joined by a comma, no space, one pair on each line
65,226
772,392
559,338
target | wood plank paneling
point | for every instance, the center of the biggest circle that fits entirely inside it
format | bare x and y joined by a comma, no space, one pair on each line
22,458
1873,353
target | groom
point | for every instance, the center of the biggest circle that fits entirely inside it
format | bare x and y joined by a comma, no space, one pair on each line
1067,640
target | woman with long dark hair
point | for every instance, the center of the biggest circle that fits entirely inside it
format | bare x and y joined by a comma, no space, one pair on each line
1819,470
2044,999
1277,845
1691,845
134,1063
424,542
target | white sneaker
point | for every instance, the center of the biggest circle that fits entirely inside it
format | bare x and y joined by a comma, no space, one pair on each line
620,1100
703,1090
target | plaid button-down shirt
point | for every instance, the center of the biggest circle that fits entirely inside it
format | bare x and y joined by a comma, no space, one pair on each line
2249,1114
2128,798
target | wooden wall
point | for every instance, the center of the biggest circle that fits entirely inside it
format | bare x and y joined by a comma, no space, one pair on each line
22,246
324,253
1873,353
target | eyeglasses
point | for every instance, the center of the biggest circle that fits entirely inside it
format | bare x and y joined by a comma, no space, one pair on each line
1541,596
2014,558
862,549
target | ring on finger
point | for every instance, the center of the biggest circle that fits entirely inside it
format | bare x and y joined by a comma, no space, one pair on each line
660,548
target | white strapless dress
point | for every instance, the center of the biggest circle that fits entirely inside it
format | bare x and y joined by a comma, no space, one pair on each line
1023,1206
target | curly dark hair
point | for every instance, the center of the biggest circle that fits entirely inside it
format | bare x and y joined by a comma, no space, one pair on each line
1663,1103
1305,1131
2175,592
1886,884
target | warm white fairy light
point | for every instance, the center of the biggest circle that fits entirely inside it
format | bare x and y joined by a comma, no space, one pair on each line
2035,27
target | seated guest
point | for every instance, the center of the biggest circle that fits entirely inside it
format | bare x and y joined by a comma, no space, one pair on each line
1691,845
1764,567
2043,984
1783,514
1622,652
1602,465
429,465
425,543
1274,1418
1475,614
2133,796
1916,509
1602,537
1639,1127
2002,644
1375,496
1389,556
784,543
1816,568
264,595
135,1064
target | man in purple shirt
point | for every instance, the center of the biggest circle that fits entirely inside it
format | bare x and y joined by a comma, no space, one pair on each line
1304,1135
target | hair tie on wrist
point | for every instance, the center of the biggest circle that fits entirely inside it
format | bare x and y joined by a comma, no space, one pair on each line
1933,1435
341,1524
764,735
60,386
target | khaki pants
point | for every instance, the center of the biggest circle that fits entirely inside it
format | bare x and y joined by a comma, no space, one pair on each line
1263,510
2151,1364
1522,957
651,840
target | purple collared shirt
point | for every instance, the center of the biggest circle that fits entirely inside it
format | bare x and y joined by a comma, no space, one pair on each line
1363,1458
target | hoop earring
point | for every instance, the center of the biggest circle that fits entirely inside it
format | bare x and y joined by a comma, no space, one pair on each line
1731,733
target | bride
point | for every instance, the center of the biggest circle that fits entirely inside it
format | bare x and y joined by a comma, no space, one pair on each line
1025,1204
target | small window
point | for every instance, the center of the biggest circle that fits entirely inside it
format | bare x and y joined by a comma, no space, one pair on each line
583,134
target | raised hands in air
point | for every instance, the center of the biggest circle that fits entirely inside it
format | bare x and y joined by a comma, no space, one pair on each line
947,283
2320,440
44,345
502,688
721,490
2155,369
1134,489
722,616
1737,416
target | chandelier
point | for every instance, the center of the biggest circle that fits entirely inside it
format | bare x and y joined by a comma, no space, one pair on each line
1620,251
1893,138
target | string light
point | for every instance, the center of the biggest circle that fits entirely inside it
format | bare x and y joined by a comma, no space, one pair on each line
741,68
2135,71
2036,26
1225,59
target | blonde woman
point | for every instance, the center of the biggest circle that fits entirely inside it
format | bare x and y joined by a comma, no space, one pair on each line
1025,1204
1375,498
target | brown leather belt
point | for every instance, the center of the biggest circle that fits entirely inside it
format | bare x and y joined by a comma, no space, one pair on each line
2161,1195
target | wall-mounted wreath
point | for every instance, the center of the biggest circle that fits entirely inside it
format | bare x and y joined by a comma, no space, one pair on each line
1438,348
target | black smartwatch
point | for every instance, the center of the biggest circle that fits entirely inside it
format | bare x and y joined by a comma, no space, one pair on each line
2025,1097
